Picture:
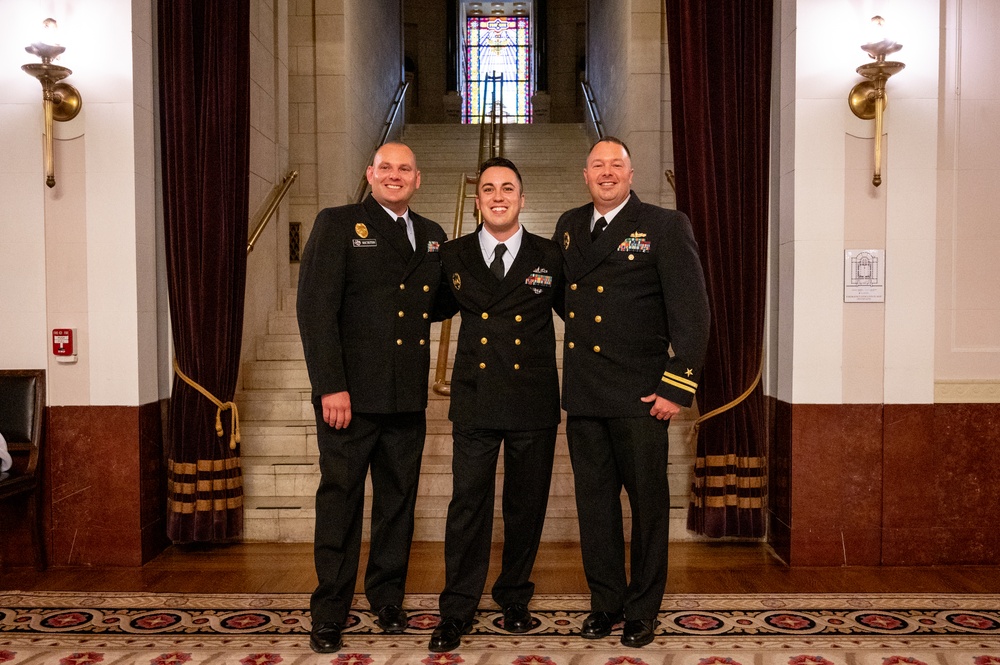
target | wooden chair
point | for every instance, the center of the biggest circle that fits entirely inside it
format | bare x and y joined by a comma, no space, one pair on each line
22,405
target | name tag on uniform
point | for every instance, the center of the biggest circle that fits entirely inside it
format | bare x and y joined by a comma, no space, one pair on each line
433,245
364,242
635,243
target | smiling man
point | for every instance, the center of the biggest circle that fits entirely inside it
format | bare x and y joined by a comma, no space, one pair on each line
504,390
367,283
636,333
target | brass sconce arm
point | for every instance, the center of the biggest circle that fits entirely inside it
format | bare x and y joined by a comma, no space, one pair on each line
60,101
868,99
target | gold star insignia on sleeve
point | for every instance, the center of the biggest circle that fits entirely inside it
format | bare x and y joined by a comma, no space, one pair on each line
689,373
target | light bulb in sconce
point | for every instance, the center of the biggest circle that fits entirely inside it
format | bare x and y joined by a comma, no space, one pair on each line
879,39
60,100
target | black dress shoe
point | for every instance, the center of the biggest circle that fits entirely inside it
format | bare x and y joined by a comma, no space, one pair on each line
448,635
516,618
599,624
392,619
638,632
325,637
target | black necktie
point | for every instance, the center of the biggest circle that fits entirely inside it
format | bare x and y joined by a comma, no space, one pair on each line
497,266
402,225
598,227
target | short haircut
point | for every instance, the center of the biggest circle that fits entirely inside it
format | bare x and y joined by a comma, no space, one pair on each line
388,143
611,139
501,162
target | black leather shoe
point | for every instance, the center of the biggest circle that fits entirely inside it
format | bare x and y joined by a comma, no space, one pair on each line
392,619
516,618
638,632
448,635
325,637
599,624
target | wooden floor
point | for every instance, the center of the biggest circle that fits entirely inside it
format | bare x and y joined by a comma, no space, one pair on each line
711,568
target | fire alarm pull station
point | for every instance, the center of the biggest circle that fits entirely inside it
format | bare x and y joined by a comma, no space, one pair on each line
64,344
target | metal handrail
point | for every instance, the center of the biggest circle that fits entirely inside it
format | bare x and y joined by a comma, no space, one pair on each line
595,115
442,386
273,201
671,179
496,144
493,146
482,126
390,120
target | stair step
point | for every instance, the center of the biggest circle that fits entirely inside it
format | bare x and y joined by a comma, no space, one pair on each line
280,347
283,323
275,405
269,519
275,375
292,438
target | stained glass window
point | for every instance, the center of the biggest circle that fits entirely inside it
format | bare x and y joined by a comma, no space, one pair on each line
498,45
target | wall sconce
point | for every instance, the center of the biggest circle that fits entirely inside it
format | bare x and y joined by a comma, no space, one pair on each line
60,101
868,98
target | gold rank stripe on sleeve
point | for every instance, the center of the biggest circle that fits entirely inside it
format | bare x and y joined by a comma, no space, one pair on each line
680,382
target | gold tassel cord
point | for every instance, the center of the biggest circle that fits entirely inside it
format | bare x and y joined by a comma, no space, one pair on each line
730,405
234,437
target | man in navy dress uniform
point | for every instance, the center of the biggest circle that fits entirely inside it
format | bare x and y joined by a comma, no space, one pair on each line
367,284
636,333
504,390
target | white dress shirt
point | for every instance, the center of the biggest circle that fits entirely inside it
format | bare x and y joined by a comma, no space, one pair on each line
488,245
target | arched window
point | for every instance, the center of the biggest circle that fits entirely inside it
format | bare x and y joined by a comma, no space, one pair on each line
498,45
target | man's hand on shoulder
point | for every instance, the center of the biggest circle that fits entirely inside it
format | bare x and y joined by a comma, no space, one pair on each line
337,409
663,408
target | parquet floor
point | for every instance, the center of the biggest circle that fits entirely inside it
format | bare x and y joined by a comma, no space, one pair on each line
710,568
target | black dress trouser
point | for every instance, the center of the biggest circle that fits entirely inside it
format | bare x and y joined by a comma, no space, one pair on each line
390,445
608,454
528,458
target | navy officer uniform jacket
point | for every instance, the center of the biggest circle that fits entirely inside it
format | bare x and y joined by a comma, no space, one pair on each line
637,311
365,303
505,373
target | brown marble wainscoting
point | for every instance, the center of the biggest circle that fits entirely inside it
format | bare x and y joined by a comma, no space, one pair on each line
779,477
941,499
892,485
105,492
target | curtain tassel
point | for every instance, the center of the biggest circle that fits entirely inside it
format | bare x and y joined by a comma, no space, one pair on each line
735,402
234,438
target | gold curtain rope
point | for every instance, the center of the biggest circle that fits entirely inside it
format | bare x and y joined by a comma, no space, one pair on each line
726,407
234,437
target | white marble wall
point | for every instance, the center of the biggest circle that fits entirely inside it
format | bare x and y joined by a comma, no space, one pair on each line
268,270
830,351
967,287
626,67
345,62
23,317
83,254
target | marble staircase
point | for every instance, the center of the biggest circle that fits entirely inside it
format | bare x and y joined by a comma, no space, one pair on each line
279,454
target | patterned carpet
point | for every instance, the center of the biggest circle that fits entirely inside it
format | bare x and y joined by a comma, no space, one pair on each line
174,629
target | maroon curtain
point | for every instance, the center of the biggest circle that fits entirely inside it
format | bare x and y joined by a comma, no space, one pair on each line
205,134
720,84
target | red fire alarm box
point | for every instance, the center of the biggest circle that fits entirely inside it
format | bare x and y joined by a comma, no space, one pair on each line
64,343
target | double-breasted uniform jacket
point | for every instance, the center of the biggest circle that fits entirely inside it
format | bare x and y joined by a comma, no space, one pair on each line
505,366
365,302
637,311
